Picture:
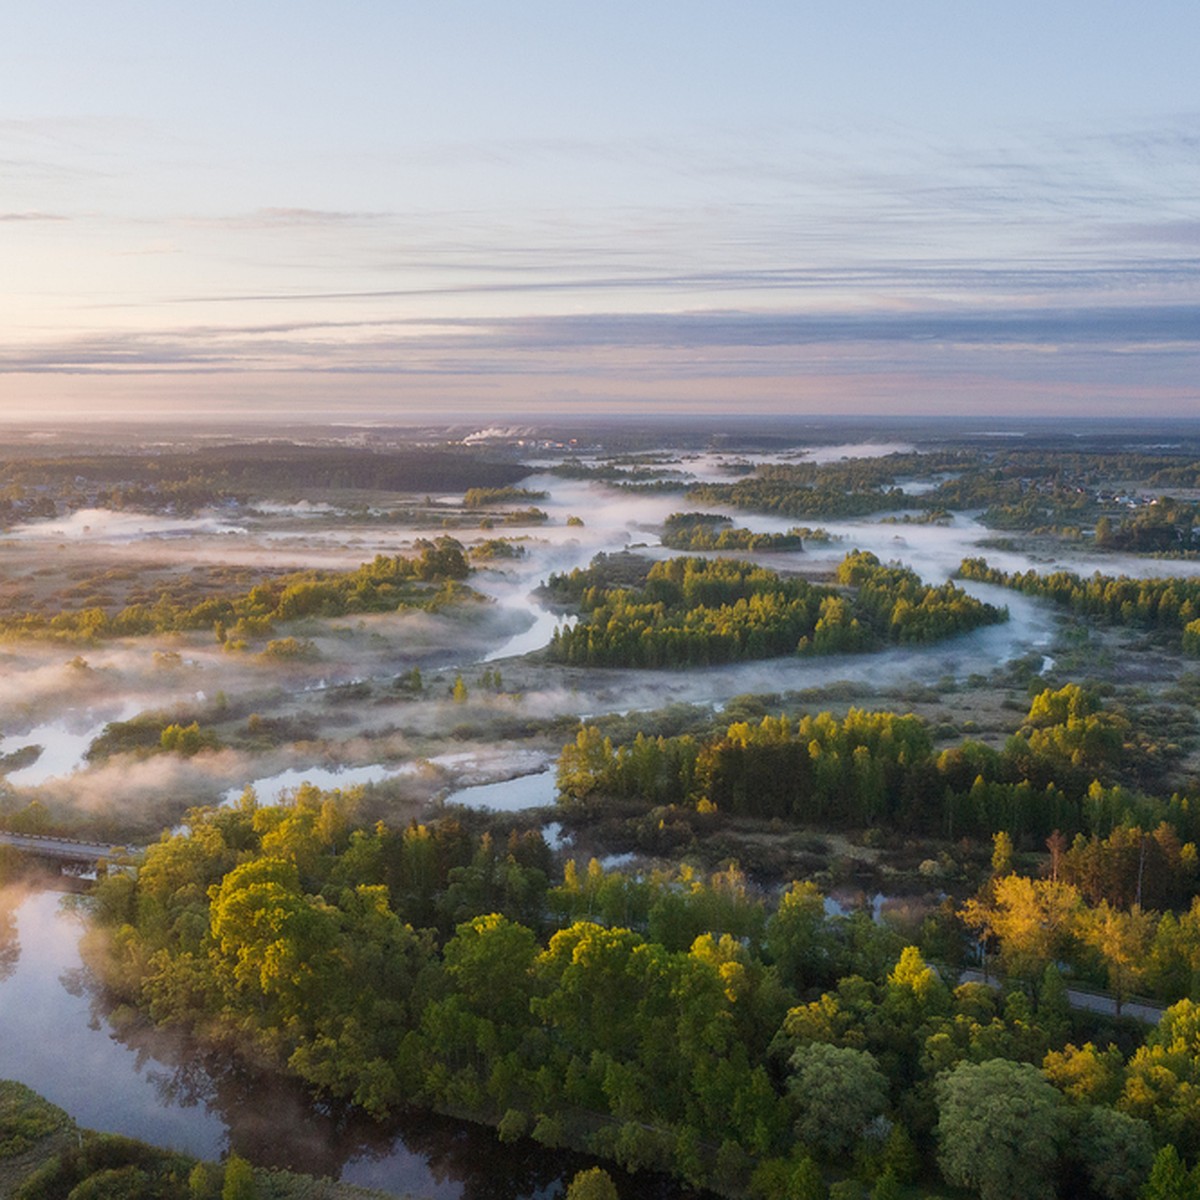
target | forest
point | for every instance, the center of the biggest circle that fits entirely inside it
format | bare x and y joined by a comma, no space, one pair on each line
33,484
1071,768
1031,490
707,531
695,612
929,931
1172,605
680,1022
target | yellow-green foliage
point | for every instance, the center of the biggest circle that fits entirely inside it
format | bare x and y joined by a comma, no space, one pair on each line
25,1118
1172,604
382,585
696,611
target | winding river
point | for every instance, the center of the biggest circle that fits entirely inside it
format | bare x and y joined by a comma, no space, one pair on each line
114,1077
156,1086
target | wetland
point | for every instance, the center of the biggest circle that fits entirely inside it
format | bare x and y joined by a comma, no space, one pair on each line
361,643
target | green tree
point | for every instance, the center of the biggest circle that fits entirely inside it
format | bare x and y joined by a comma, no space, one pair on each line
801,942
846,1189
129,1182
239,1180
1053,1005
806,1182
1169,1179
201,1184
836,1091
900,1158
1116,1151
887,1187
999,1129
592,1184
1002,854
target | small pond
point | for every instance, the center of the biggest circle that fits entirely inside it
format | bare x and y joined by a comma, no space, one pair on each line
510,795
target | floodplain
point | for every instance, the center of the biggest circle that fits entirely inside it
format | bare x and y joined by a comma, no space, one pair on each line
182,635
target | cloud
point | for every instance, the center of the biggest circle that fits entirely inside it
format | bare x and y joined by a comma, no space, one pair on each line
601,342
968,277
1182,232
32,216
284,216
1046,326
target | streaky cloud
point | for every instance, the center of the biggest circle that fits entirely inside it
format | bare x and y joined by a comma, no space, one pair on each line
465,345
32,216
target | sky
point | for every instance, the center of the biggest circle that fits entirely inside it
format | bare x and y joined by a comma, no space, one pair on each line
383,210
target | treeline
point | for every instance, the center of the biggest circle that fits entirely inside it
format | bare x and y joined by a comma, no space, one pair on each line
382,585
254,467
477,496
493,548
695,612
18,504
1032,489
634,477
856,487
1134,949
1172,604
525,516
670,1021
775,490
709,531
1043,499
1167,527
1060,772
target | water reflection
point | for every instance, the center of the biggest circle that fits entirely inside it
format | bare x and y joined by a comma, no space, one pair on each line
510,795
109,1073
10,941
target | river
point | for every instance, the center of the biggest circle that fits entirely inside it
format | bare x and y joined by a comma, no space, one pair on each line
159,1087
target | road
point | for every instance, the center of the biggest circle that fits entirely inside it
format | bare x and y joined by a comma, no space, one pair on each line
1097,1002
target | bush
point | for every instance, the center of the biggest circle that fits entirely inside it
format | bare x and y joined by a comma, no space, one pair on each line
25,1118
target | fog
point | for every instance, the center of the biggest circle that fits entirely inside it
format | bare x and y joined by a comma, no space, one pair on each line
105,525
342,719
354,717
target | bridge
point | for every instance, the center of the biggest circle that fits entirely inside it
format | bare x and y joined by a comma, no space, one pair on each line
65,851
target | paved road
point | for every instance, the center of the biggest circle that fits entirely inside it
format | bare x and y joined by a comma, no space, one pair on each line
1085,1001
63,849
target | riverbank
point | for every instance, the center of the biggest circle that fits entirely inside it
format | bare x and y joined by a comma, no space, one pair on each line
37,1138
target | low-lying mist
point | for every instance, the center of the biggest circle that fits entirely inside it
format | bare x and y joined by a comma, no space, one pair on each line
352,702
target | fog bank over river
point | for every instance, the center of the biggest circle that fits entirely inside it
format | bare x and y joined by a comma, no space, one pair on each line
54,698
350,710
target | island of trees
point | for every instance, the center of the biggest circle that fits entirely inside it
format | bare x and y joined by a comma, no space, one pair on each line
709,531
695,611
